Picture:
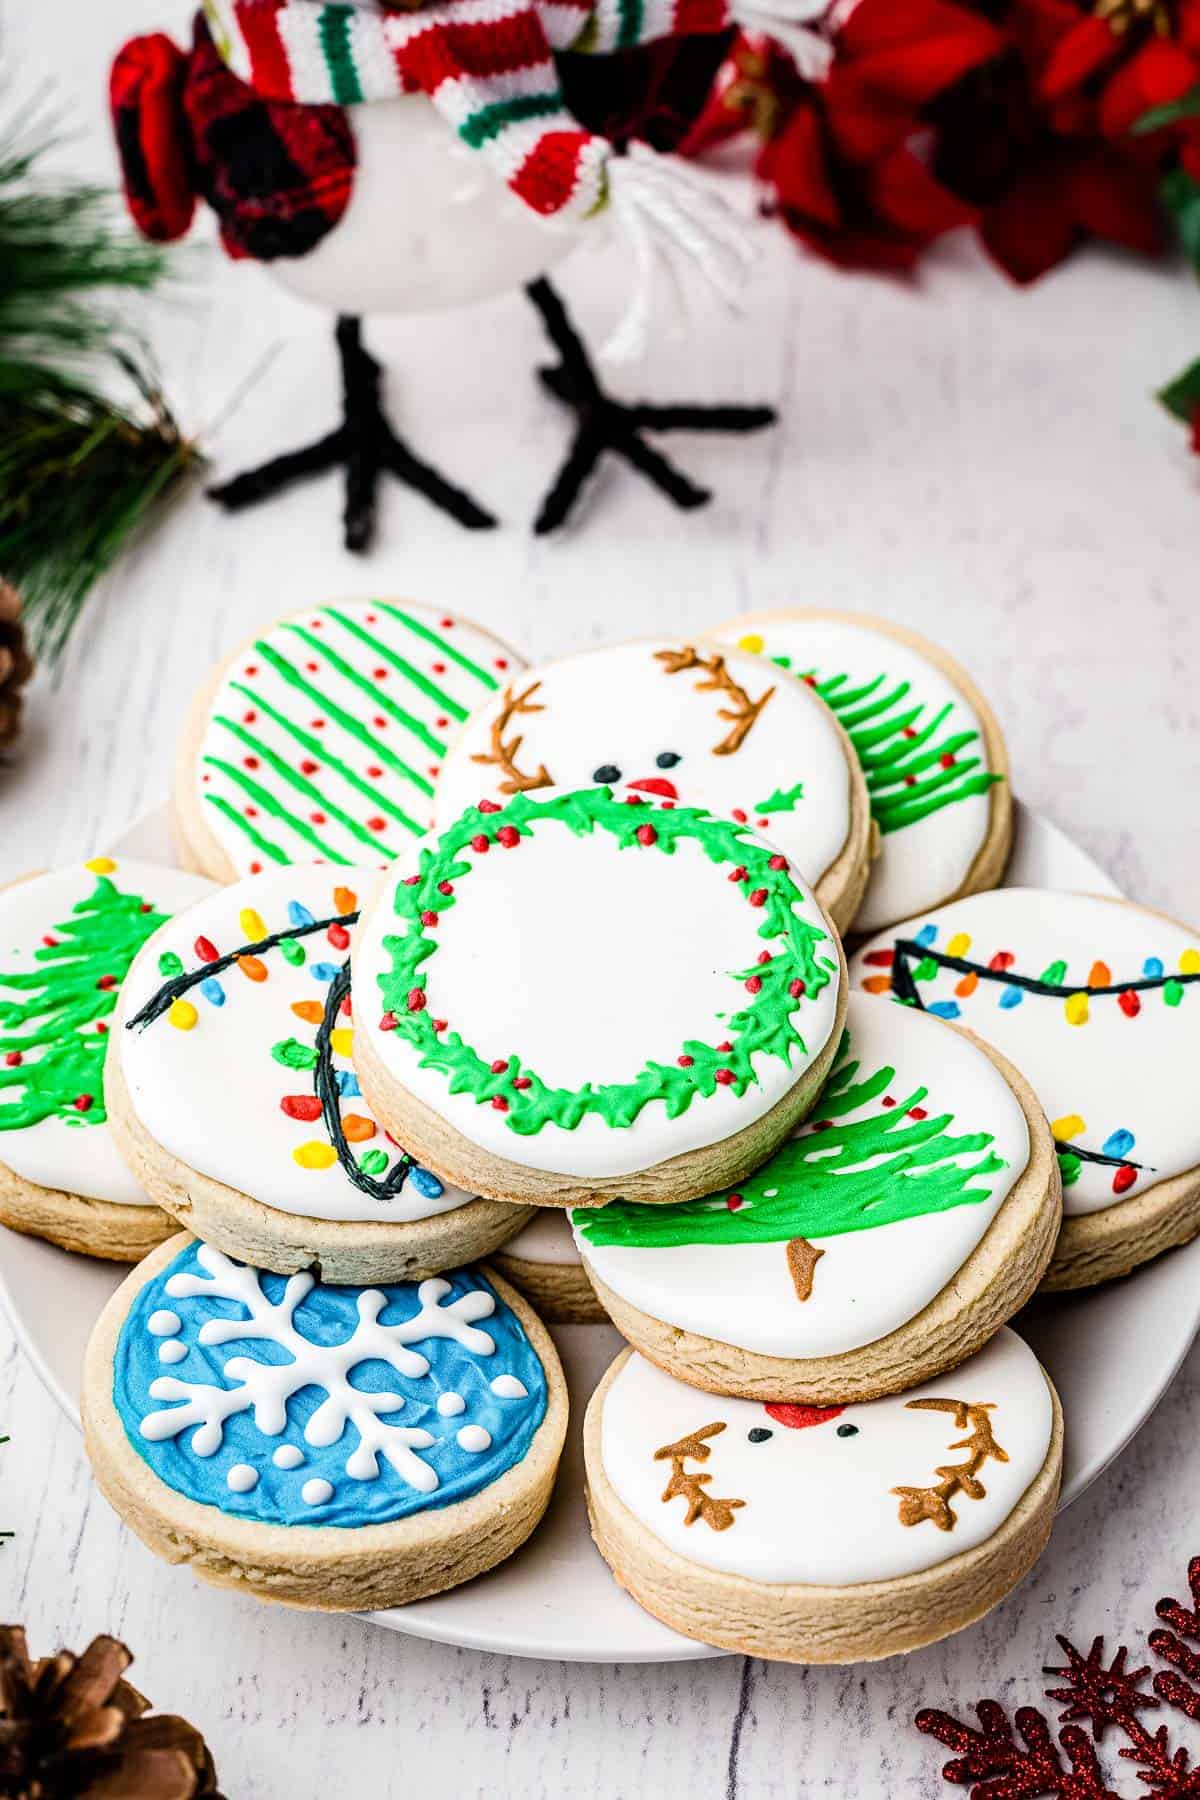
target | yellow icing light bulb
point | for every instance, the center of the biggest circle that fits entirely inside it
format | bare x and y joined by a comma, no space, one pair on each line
182,1014
341,1040
959,944
314,1155
251,923
1069,1126
101,865
752,642
1189,963
1076,1009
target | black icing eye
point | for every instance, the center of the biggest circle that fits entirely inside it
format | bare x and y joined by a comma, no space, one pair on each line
607,773
759,1435
847,1430
666,759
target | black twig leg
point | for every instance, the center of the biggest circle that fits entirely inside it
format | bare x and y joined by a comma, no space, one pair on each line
364,446
604,425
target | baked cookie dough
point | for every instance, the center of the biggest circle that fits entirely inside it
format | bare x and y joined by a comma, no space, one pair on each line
909,1218
330,1447
1097,1002
572,998
825,1534
543,1263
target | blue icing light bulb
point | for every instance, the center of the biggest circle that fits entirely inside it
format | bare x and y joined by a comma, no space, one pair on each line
299,915
426,1183
347,1084
324,971
1119,1143
377,1442
944,1009
926,936
212,990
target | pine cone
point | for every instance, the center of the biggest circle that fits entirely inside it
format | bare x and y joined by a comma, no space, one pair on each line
72,1729
16,663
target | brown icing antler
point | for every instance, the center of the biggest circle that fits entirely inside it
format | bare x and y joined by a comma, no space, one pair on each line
715,1512
504,755
802,1260
741,713
934,1502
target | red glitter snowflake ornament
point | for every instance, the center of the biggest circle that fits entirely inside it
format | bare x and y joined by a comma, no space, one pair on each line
1020,1759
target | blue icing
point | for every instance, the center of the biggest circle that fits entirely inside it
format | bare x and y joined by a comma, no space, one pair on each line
148,1395
944,1009
212,990
926,936
347,1084
1012,996
1119,1143
426,1183
1152,968
325,971
299,915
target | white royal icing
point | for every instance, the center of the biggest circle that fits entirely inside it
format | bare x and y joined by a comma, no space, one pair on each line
211,1094
546,1239
585,960
867,1283
326,736
921,863
74,1154
819,1507
1116,1077
619,708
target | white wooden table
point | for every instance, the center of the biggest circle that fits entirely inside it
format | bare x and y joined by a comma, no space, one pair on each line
981,464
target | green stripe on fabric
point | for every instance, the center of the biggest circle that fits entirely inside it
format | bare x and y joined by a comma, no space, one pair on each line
629,32
482,126
410,672
322,754
243,824
303,785
439,643
347,721
333,30
264,798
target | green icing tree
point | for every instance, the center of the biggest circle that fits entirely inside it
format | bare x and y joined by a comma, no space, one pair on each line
843,1175
913,766
52,1035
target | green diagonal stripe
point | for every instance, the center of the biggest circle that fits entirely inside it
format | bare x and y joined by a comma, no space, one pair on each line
439,643
410,672
272,806
284,669
243,824
303,785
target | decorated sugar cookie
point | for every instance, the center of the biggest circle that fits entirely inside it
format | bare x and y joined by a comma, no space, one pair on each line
572,997
67,940
234,1095
1098,1003
337,1447
825,1534
908,1218
930,749
543,1263
673,721
321,739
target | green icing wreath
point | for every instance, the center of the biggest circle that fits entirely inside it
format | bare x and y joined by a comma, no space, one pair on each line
763,1026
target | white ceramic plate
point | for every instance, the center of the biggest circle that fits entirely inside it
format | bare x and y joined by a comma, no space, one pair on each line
1112,1353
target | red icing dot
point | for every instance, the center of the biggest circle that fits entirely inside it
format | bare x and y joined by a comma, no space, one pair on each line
251,762
733,1201
777,862
685,1062
917,1112
248,718
822,1125
205,949
488,806
724,1047
379,722
379,674
439,1024
312,667
318,624
251,669
411,880
388,1022
754,984
429,918
416,1000
12,1058
499,1066
500,1103
888,1100
308,766
1129,1003
1124,1179
301,1106
49,941
317,818
318,724
910,781
796,1418
646,834
758,897
946,760
502,662
795,988
83,1102
256,868
510,837
522,1082
738,874
909,732
339,937
438,668
374,771
739,815
445,887
764,956
251,812
480,844
377,824
447,624
371,618
724,1076
762,824
441,723
106,983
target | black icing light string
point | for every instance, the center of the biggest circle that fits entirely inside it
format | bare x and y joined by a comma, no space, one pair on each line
325,1083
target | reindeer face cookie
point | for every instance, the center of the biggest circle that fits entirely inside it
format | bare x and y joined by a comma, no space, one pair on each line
1098,1003
678,722
322,738
570,997
329,1446
825,1533
913,1212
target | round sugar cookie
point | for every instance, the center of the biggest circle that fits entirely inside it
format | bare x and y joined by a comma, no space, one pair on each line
914,1212
321,739
543,1263
677,720
932,753
825,1534
570,998
233,1095
341,1448
67,940
1097,1002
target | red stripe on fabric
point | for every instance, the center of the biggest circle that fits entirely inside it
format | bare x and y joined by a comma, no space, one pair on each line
270,72
696,18
448,51
547,178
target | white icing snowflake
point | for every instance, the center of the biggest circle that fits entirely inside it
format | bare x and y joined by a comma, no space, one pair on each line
267,1387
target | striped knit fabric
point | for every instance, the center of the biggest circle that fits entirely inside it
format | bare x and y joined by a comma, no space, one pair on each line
487,65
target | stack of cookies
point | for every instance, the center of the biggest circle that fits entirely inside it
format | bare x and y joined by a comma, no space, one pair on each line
546,966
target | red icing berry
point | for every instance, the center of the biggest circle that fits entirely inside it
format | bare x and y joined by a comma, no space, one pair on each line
429,918
489,806
439,1024
1124,1179
758,897
441,723
738,874
946,760
480,844
733,1201
908,732
312,667
910,781
685,1062
522,1082
777,862
764,956
646,834
445,887
754,984
917,1112
411,880
83,1102
1129,1003
339,937
724,1076
251,812
251,668
106,983
499,1066
509,836
416,1000
722,1048
795,988
389,1021
49,941
301,1106
499,1103
739,815
888,1100
12,1059
205,949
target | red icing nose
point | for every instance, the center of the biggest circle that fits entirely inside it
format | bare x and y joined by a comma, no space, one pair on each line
797,1417
656,784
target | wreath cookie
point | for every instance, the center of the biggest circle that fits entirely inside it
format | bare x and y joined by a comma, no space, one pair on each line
1098,1003
930,748
321,739
543,1263
679,721
331,1447
575,997
825,1534
233,1095
914,1212
67,940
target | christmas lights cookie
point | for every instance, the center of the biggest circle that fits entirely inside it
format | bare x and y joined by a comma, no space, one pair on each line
670,721
67,940
321,739
930,748
233,1096
331,1447
1098,1003
912,1214
825,1534
571,998
543,1263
